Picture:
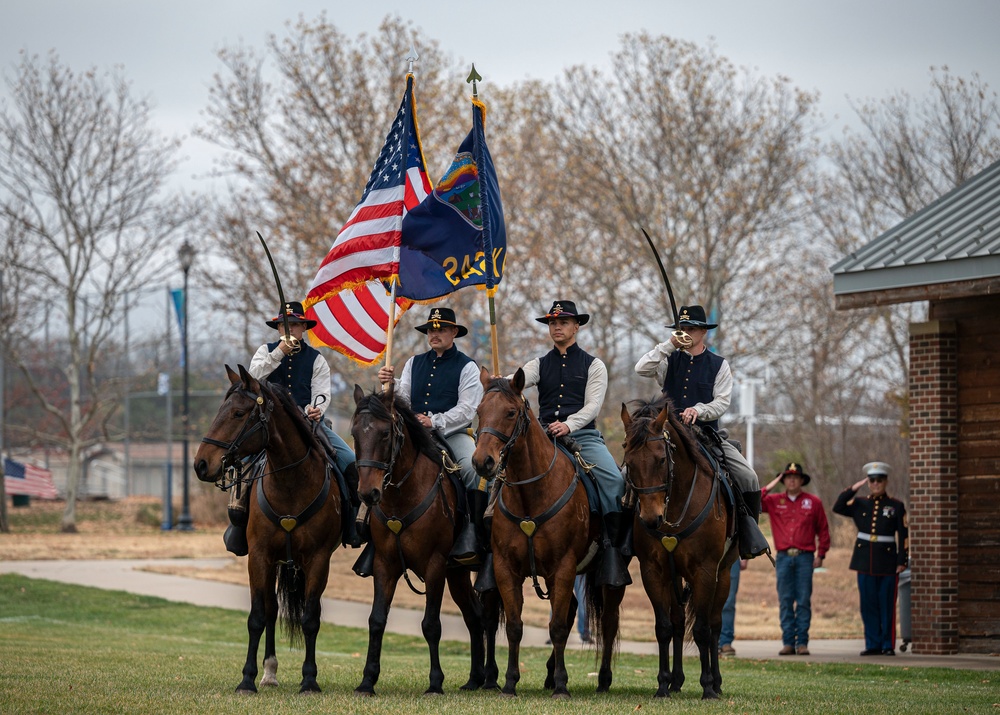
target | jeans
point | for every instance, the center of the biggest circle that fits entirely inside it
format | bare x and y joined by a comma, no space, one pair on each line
729,609
581,606
610,484
795,584
345,455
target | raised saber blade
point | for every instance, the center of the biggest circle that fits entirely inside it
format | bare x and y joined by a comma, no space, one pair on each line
281,295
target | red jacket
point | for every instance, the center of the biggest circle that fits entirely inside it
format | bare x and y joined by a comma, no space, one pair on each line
797,523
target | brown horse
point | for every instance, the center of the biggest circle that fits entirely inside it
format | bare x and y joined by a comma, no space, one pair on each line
684,529
541,529
414,508
262,439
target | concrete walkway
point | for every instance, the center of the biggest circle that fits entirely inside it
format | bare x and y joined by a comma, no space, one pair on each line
130,576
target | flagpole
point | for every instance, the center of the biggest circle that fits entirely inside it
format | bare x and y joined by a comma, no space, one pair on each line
390,329
475,78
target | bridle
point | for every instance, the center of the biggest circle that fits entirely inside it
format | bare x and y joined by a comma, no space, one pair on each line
508,441
395,429
667,486
233,463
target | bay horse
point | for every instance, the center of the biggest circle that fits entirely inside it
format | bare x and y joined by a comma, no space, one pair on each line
541,528
414,512
261,438
684,529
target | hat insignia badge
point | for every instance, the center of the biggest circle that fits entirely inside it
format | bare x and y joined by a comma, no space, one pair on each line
557,309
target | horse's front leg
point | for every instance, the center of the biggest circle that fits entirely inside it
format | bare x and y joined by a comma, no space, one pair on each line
431,625
263,613
462,593
513,602
550,664
610,603
318,572
491,621
385,577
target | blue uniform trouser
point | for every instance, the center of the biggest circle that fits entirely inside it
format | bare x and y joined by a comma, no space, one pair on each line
580,590
610,484
345,455
795,585
463,446
878,610
729,609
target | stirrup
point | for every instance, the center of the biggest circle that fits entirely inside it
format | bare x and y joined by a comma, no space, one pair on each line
365,564
485,579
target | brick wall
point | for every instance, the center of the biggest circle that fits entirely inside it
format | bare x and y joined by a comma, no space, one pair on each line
933,514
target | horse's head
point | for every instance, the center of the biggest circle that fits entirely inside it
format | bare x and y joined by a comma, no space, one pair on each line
503,417
377,429
239,432
649,458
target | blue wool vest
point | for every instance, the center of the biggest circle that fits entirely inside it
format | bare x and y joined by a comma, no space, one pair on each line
562,384
692,380
295,372
434,380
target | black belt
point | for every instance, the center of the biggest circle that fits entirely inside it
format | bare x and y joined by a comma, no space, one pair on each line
794,552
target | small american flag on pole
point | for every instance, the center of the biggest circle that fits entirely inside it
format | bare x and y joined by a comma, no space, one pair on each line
347,298
27,479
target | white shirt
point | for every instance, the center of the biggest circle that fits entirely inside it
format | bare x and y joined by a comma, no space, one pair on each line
593,396
266,361
654,364
470,394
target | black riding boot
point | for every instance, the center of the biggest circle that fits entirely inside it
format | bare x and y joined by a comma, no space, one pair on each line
365,564
468,549
751,541
613,569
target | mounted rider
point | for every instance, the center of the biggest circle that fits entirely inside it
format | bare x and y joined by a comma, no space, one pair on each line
442,387
305,373
700,384
572,385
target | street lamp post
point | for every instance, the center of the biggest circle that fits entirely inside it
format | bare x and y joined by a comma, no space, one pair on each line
186,256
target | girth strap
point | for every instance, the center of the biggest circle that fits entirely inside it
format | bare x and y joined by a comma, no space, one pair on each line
288,522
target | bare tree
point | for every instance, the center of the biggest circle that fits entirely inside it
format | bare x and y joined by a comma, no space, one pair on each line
81,173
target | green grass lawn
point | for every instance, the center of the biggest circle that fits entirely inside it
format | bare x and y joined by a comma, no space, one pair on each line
69,649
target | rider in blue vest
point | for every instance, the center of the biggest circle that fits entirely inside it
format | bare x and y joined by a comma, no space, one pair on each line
442,387
571,389
305,373
700,385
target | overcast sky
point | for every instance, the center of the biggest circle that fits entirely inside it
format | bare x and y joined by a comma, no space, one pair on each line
856,48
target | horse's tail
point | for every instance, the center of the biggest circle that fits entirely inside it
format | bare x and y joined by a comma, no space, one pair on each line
291,601
595,611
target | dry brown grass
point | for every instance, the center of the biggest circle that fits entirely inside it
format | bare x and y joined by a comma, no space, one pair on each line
128,529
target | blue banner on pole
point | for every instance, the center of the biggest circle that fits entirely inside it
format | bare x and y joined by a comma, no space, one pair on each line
177,294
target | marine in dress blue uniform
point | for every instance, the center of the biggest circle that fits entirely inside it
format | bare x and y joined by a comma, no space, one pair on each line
881,552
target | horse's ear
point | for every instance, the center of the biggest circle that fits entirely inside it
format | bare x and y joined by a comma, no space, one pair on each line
484,376
248,379
626,417
233,375
518,382
359,394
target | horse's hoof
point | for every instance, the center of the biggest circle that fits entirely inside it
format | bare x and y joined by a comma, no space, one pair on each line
246,689
310,688
267,682
662,694
563,695
491,685
602,689
471,685
359,693
675,688
433,691
505,694
710,695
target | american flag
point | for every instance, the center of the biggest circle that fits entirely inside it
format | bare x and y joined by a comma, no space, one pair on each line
27,479
347,298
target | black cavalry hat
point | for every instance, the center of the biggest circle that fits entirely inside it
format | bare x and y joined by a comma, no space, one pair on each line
439,317
295,314
564,309
795,469
692,316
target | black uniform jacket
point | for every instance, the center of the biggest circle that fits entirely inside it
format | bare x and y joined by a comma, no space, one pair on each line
883,517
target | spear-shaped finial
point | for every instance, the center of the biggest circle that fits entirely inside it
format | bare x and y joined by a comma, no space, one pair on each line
474,77
411,58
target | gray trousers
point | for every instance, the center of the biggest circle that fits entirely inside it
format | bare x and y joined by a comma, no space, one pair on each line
463,446
739,469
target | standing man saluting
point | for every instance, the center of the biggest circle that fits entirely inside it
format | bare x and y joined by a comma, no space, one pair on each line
881,553
802,538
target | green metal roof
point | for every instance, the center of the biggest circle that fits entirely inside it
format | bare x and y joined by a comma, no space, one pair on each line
956,238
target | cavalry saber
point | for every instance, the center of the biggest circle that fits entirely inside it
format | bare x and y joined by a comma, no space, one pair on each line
281,296
682,337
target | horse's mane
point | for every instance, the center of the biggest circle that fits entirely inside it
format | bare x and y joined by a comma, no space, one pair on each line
420,436
649,410
302,425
